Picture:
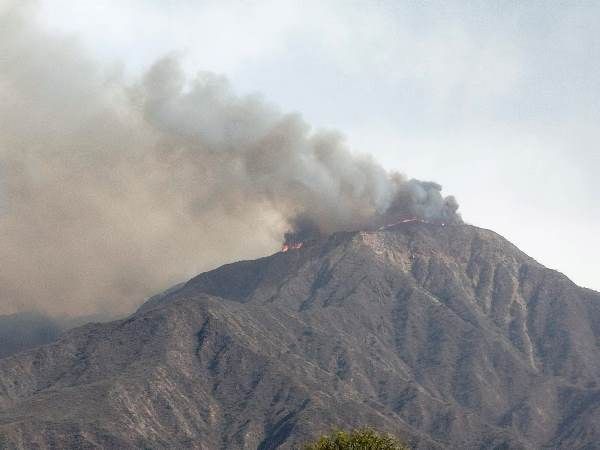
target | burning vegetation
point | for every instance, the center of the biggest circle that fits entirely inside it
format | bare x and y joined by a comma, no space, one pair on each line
296,240
294,246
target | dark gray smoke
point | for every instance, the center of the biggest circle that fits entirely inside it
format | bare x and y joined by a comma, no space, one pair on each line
309,178
113,190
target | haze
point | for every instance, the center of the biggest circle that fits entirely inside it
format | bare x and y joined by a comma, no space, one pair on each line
499,102
499,105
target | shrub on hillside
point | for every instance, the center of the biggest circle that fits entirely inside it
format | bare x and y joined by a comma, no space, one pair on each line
361,439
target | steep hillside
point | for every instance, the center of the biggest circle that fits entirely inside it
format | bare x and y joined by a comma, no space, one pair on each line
448,336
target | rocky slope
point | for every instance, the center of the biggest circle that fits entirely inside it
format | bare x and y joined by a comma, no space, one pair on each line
448,336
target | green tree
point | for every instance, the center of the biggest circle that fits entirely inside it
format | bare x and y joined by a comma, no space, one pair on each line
361,439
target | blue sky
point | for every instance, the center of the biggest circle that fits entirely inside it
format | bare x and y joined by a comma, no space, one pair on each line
497,101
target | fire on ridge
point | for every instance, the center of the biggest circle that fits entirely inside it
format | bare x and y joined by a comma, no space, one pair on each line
292,246
293,241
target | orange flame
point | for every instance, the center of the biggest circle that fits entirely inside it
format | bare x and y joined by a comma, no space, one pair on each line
294,246
412,219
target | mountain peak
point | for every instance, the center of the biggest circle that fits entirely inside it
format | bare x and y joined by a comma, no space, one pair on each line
446,335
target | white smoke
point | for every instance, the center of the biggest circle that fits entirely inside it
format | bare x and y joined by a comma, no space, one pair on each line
112,191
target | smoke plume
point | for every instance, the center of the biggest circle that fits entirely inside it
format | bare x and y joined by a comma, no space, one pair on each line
110,191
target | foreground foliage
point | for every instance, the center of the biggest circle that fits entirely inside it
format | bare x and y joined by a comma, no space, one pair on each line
361,439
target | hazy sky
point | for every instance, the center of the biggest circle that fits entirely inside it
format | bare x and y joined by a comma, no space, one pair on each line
497,101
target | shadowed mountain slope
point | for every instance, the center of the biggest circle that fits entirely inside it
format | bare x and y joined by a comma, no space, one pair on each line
447,336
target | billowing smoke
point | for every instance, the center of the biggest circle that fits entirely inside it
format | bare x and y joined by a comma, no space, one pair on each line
111,191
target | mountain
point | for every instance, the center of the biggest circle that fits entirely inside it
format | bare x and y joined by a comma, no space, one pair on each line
447,336
25,330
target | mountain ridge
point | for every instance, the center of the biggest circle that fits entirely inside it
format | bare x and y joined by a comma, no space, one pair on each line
448,336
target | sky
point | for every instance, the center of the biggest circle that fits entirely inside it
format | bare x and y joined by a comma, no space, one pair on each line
497,101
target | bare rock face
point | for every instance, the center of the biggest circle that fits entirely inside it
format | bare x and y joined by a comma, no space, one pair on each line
447,336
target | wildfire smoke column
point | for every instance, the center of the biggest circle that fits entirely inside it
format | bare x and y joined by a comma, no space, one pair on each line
114,190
